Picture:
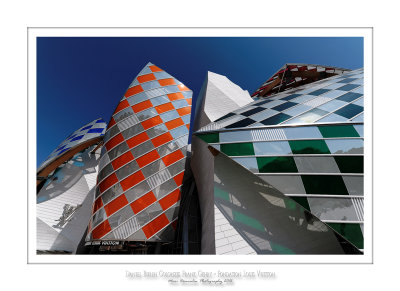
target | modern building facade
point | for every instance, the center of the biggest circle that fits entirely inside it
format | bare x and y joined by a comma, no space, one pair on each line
279,173
65,195
306,143
142,162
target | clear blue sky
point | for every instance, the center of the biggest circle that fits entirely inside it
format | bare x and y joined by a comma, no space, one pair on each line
80,79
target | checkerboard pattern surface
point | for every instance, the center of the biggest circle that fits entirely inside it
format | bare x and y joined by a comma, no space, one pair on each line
307,143
295,75
143,160
91,130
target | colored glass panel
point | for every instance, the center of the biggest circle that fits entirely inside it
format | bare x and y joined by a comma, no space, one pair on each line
241,123
144,201
138,139
350,164
184,110
132,180
171,199
155,225
151,122
247,220
101,230
154,68
174,123
350,96
324,184
115,205
318,92
276,164
147,158
172,158
309,147
338,131
175,96
349,111
183,87
122,105
146,78
116,140
142,106
209,137
166,82
179,178
122,160
164,107
133,90
276,119
238,149
108,182
161,139
302,201
350,231
95,130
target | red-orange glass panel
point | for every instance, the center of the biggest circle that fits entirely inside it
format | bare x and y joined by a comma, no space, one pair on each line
151,122
132,180
146,78
155,225
144,201
179,178
134,90
101,230
142,106
174,123
122,160
108,182
172,157
162,139
111,123
164,108
166,82
175,96
184,110
183,87
122,105
147,158
97,204
188,126
189,101
155,69
116,205
138,139
169,200
114,141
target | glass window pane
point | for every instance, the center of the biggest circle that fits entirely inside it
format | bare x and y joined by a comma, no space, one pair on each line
238,149
284,106
121,216
272,148
333,118
350,164
241,123
111,193
296,110
169,115
276,165
333,94
338,131
345,146
133,130
350,231
308,117
232,136
248,163
160,100
354,184
127,170
309,147
164,189
157,130
286,184
316,165
146,114
142,149
332,105
333,208
276,119
118,150
350,96
349,111
321,184
179,131
137,191
302,132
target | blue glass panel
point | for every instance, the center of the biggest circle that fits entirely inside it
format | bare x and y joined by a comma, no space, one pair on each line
169,115
86,127
59,149
63,151
284,106
290,97
177,132
318,92
349,111
276,119
77,138
241,123
100,121
347,80
347,87
348,97
94,130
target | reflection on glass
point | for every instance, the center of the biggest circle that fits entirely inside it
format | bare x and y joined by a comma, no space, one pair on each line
308,117
248,163
238,149
345,146
276,164
338,131
263,216
333,208
302,132
354,184
321,184
232,136
309,147
316,165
